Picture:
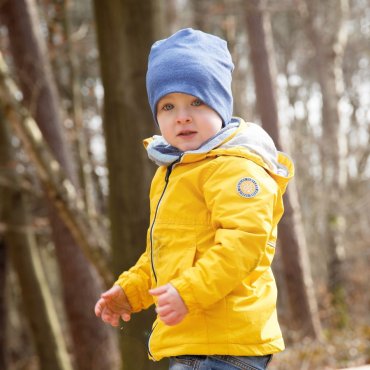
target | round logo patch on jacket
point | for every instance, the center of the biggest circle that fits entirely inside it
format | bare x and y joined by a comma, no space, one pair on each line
247,187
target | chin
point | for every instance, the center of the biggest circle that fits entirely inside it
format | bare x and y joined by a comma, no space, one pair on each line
189,148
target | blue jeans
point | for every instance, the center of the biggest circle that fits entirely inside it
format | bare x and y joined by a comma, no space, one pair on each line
219,362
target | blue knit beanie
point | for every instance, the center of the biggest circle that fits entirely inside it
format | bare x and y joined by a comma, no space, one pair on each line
195,63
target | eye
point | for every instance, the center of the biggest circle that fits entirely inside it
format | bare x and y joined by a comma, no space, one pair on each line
197,103
167,106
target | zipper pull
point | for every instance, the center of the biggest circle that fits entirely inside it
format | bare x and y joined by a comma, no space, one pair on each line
168,172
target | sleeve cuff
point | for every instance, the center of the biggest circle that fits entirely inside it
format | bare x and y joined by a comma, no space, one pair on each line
186,293
132,293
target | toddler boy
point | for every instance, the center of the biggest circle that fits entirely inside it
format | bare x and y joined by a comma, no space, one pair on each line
215,202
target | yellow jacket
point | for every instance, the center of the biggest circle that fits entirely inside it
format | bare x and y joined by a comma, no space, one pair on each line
212,235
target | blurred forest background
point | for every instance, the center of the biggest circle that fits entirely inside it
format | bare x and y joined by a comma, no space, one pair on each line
74,176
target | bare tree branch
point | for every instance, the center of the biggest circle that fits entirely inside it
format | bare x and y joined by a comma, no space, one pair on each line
88,233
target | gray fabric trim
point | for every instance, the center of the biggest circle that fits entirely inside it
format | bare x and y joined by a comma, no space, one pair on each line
254,138
163,154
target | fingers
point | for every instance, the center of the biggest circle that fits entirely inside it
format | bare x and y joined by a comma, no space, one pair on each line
168,295
170,315
170,306
112,306
115,298
162,293
110,317
111,293
100,304
172,318
163,310
159,291
126,317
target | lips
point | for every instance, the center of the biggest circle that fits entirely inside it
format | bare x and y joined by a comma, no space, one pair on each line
186,133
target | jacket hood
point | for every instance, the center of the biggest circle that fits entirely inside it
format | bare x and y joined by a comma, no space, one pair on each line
239,138
254,140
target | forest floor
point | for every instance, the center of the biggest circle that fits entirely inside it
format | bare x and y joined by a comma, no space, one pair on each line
341,350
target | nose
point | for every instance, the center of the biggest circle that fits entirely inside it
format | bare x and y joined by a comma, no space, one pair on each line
183,117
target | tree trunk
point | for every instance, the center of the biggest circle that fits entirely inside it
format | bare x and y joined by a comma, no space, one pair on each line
328,59
291,233
93,342
3,259
125,33
90,235
49,340
80,141
44,323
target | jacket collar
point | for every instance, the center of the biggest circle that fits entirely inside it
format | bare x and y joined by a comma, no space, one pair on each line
239,138
163,154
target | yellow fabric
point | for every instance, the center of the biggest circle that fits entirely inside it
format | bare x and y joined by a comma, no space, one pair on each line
215,246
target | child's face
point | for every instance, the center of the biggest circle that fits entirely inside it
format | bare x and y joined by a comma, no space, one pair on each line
186,122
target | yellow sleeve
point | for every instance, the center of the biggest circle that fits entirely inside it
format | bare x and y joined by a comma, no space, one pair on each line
240,196
136,283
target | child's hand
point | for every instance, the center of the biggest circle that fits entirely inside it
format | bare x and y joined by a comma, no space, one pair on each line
112,305
171,309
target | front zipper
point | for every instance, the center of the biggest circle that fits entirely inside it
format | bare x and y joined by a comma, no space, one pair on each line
150,354
168,173
166,179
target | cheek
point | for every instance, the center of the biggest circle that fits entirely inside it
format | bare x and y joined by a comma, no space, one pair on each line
215,125
213,120
166,131
162,124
